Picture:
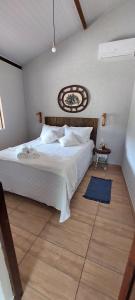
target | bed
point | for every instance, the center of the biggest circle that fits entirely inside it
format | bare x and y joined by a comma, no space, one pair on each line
53,178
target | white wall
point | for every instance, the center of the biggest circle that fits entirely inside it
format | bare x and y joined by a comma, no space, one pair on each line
12,95
129,156
75,62
5,286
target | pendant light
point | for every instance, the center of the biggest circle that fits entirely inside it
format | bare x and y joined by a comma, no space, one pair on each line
53,47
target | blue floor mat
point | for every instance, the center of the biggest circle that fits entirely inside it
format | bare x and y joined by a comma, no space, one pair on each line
99,189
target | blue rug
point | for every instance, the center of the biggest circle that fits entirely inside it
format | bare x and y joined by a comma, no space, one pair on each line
99,189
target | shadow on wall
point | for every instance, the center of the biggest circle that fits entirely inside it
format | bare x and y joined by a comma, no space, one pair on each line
129,174
129,156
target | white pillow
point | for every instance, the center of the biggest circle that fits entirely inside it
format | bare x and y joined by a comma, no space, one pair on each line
50,137
82,133
69,140
48,128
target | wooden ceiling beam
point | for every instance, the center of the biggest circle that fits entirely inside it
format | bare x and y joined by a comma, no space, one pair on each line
81,14
10,62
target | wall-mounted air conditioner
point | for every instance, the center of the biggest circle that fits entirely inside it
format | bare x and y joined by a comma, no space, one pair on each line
122,49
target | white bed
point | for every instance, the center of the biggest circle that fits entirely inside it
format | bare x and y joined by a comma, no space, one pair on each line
52,178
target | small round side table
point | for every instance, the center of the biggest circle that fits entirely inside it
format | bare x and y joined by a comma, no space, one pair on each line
102,157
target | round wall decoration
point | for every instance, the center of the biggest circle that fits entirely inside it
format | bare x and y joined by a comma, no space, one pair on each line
73,98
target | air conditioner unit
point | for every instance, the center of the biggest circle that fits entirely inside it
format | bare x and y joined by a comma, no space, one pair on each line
122,49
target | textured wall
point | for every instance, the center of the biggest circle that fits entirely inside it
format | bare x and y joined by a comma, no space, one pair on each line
5,285
12,95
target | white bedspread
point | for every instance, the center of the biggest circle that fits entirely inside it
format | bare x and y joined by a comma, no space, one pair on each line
57,160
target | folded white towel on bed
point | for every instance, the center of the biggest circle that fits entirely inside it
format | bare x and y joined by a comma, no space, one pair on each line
28,153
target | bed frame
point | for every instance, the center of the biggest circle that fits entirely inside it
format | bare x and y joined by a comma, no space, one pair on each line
71,121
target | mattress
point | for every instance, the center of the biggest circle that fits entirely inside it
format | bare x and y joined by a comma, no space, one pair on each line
51,179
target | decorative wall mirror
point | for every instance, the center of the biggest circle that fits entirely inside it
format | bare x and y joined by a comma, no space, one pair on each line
73,98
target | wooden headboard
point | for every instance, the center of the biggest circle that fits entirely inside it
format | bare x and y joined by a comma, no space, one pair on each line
71,121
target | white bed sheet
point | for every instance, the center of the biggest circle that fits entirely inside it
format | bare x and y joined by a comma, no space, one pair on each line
52,179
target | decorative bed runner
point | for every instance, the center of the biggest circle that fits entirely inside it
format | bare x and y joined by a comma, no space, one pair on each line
99,189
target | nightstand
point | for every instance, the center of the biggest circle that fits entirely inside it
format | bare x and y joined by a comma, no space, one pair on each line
102,157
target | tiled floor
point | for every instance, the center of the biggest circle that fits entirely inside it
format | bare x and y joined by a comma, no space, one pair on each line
83,258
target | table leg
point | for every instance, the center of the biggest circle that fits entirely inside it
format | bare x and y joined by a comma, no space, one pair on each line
96,162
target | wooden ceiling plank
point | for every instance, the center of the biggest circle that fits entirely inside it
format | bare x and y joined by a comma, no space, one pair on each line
81,14
10,62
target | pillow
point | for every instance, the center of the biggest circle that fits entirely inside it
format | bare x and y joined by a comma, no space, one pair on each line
50,137
69,140
82,133
46,128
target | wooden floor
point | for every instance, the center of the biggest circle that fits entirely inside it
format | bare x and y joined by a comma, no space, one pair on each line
83,258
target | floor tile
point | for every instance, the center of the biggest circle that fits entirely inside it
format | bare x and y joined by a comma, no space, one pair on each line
52,264
12,200
114,169
71,235
111,258
28,222
111,238
34,208
50,282
116,178
82,216
112,226
120,213
119,190
81,203
22,241
83,186
9,210
32,294
95,169
99,172
101,279
120,199
82,209
87,293
19,254
58,258
72,225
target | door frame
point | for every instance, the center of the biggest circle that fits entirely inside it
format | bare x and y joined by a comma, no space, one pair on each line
8,249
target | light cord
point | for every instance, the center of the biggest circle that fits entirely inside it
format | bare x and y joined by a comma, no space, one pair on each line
53,26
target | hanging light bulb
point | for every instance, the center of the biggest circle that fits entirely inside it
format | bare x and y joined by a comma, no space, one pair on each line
53,47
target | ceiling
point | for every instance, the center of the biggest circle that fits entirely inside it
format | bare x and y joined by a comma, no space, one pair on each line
26,25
